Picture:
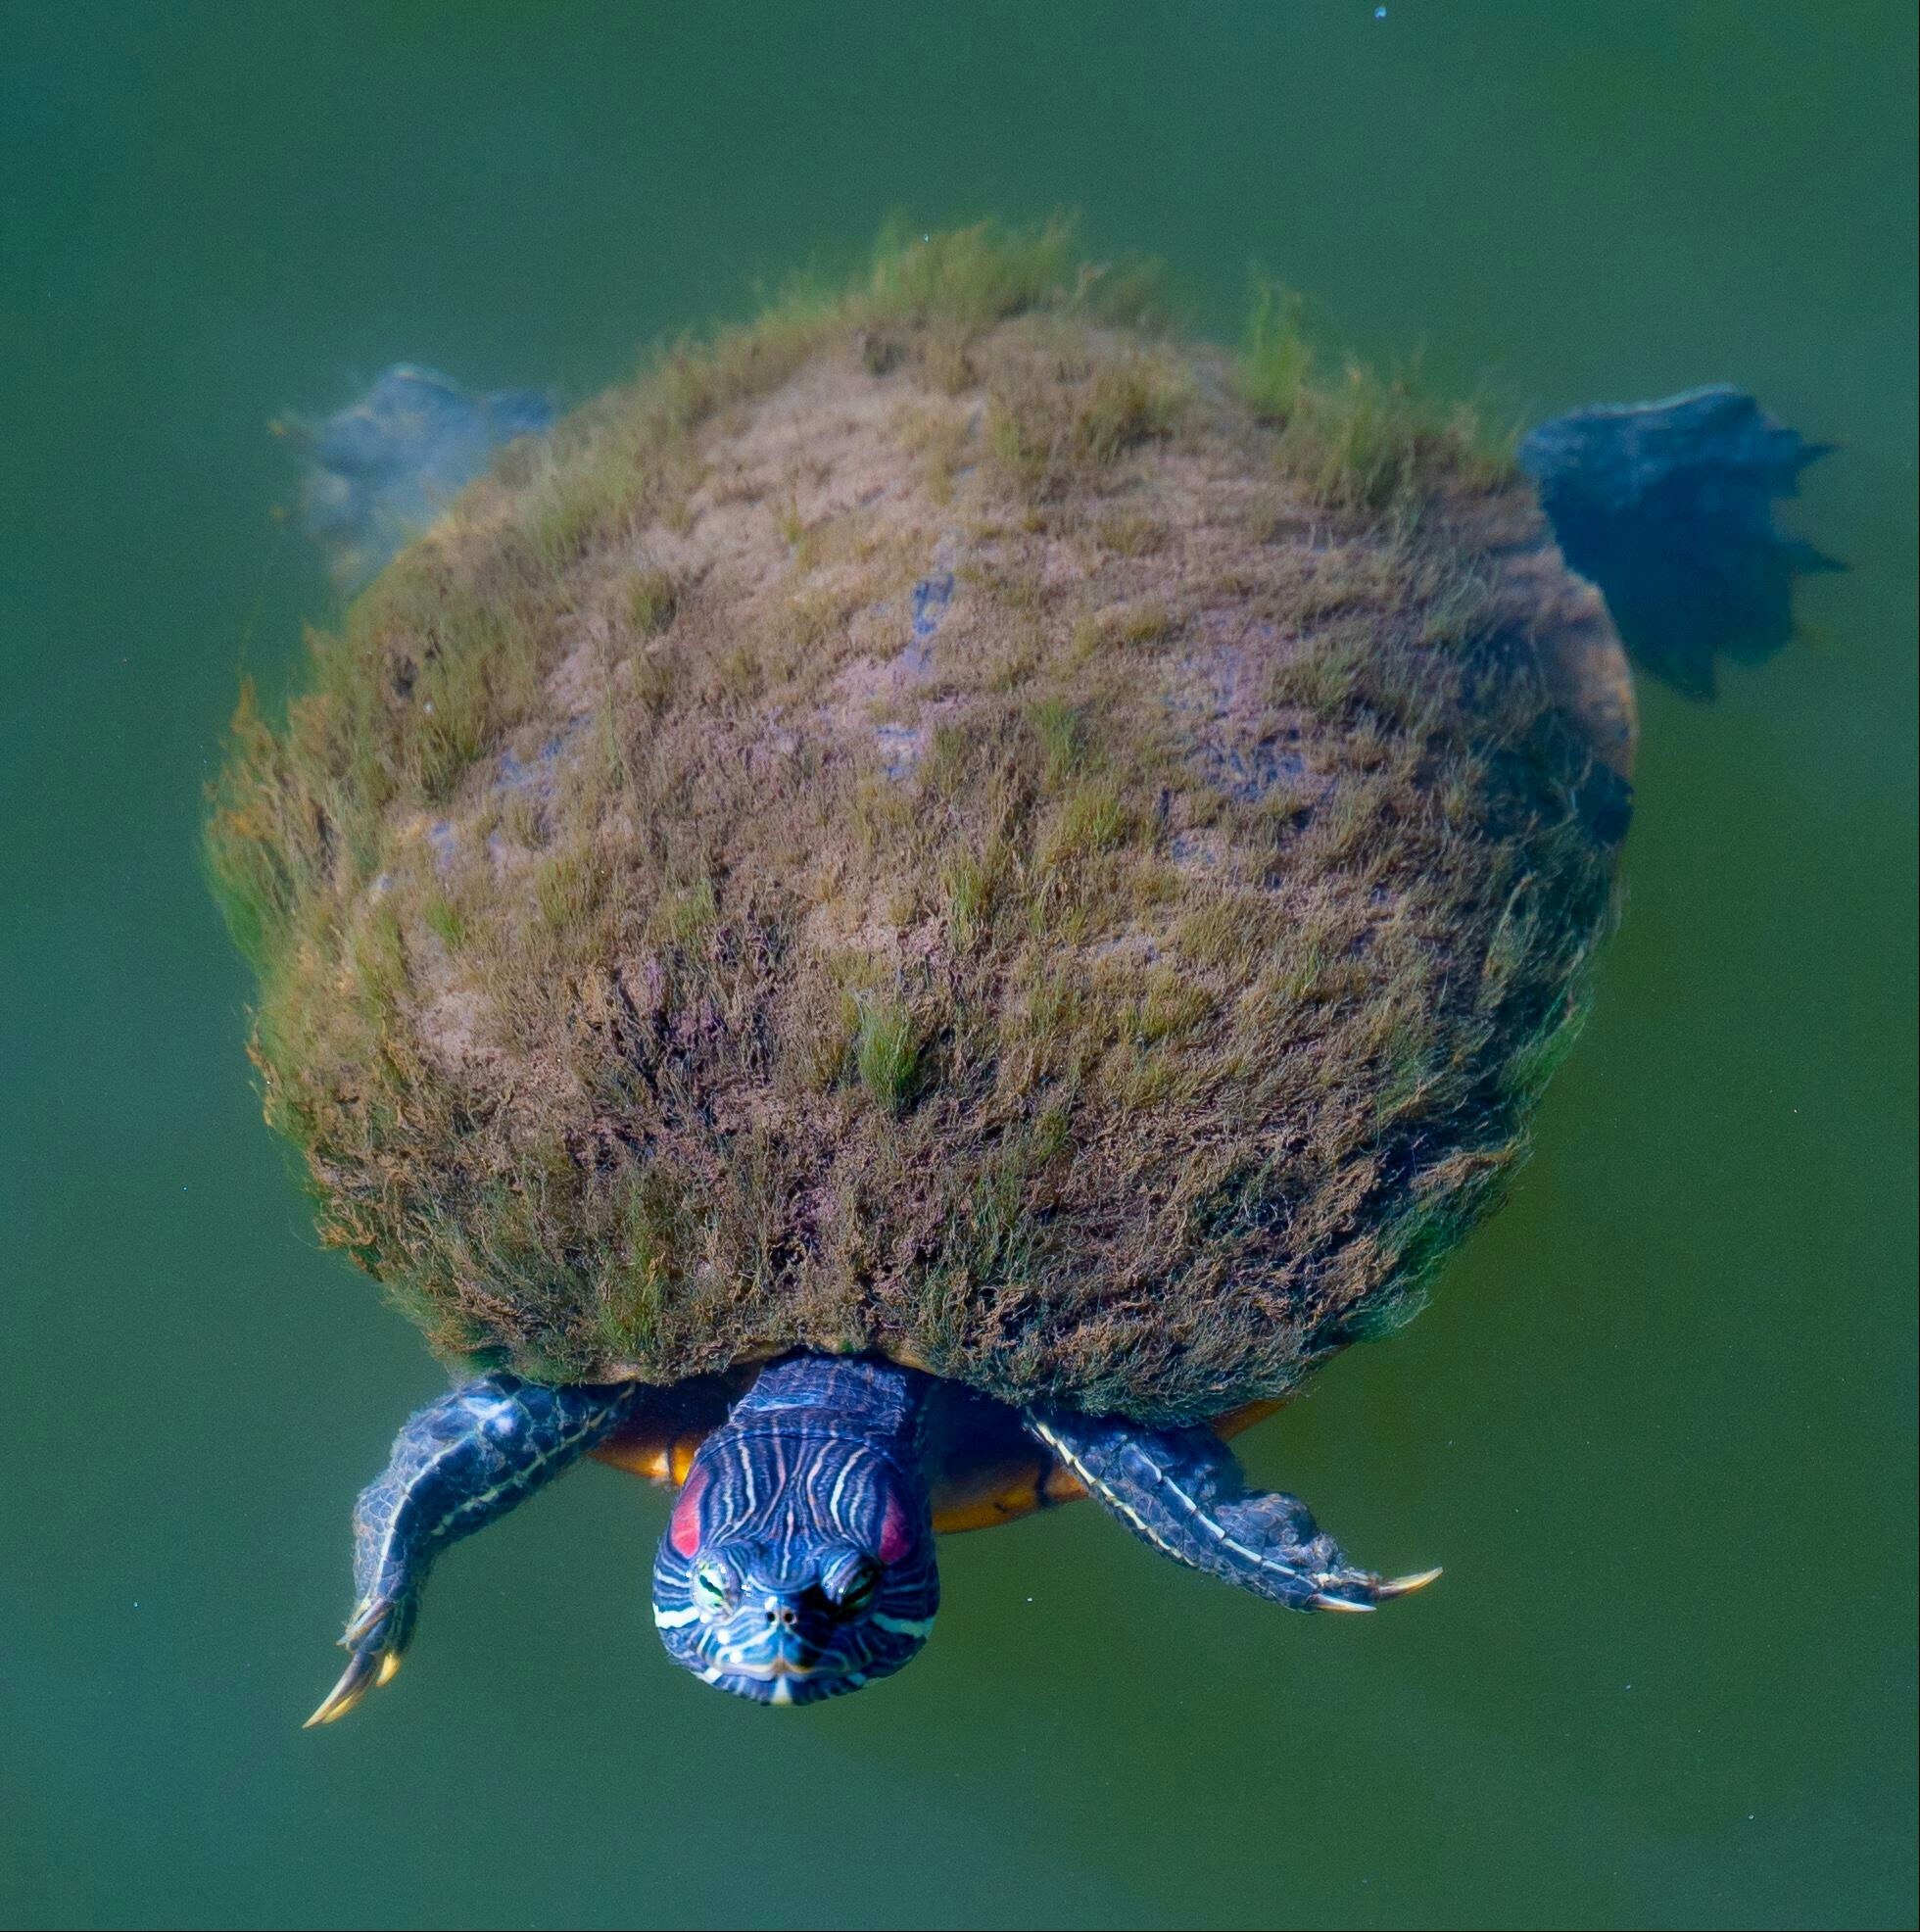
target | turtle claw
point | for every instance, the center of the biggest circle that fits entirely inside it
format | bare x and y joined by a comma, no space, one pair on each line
376,1643
1405,1586
365,1669
1368,1591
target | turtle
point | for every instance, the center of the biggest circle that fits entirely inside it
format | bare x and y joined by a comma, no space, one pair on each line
915,917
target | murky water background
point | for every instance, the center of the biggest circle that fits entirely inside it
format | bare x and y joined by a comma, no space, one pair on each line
1659,1421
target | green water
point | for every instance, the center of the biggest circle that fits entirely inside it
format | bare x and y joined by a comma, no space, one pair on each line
1659,1421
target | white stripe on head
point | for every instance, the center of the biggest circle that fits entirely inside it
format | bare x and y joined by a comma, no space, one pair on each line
840,1483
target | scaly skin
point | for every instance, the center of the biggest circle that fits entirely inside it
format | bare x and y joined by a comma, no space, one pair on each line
799,1560
457,1464
1182,1491
799,1563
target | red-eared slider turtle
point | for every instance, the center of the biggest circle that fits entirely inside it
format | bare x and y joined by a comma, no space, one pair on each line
921,914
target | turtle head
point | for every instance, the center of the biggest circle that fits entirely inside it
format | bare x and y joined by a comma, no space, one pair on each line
798,1564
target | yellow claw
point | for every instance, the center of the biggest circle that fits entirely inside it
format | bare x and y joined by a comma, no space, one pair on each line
354,1682
1318,1601
366,1669
1405,1586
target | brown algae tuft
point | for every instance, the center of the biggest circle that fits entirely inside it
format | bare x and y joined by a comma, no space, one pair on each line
941,820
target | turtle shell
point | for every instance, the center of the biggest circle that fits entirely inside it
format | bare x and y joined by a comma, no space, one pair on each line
933,826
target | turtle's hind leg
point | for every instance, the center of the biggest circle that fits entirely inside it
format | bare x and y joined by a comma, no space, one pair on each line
456,1466
1182,1491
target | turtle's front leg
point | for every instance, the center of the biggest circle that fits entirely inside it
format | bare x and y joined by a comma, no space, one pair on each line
1182,1491
456,1466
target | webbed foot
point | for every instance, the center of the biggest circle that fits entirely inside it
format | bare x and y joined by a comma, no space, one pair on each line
1182,1491
1668,507
1277,1532
381,471
457,1464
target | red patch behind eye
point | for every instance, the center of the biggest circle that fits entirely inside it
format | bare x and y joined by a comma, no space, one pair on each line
684,1533
895,1538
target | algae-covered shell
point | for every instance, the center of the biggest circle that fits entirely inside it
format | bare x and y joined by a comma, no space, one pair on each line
934,824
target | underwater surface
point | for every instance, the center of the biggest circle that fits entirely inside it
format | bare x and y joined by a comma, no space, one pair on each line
1659,1423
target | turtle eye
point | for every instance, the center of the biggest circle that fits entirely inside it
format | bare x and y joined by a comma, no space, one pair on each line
856,1589
711,1587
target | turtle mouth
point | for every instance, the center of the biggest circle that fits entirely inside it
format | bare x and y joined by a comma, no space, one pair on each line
782,1681
780,1666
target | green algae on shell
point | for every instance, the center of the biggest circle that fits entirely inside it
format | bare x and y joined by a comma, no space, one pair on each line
943,821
